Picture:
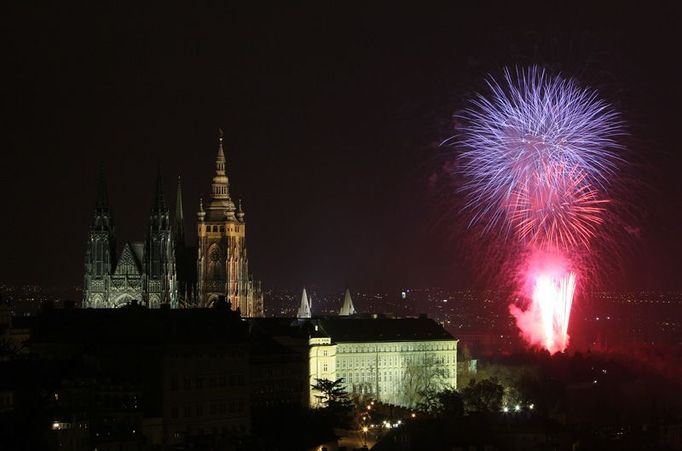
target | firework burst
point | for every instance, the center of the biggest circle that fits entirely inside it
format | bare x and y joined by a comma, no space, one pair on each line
538,156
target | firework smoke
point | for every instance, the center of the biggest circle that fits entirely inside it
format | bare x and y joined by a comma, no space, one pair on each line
538,156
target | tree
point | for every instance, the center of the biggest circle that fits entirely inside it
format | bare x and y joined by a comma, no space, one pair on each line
338,407
423,377
332,393
483,396
446,403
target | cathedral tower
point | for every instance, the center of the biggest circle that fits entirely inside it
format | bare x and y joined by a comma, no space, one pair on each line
100,251
222,263
159,253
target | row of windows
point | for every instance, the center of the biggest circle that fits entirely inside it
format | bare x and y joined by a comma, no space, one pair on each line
200,382
386,376
384,361
215,229
212,409
407,347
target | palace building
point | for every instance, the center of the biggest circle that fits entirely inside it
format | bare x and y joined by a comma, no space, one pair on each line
163,270
393,361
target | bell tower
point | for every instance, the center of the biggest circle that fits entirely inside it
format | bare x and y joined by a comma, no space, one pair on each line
222,265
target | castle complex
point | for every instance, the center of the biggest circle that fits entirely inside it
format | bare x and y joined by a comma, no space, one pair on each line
163,270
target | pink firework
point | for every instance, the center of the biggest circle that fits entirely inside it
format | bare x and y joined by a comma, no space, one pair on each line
550,287
556,208
538,153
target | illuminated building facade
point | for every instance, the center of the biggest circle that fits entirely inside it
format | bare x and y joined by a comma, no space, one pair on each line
389,360
163,269
222,260
144,271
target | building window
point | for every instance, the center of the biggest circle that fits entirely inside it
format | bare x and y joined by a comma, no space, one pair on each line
325,367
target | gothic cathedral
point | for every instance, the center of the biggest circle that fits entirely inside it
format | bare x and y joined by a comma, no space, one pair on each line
163,271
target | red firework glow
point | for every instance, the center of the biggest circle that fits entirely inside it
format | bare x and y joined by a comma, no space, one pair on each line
553,209
539,156
550,285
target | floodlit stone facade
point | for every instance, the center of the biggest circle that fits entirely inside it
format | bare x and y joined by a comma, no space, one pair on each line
389,360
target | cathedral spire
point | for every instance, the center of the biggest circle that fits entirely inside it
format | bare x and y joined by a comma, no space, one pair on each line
221,206
159,204
102,193
102,219
240,212
304,308
347,308
220,187
220,158
179,216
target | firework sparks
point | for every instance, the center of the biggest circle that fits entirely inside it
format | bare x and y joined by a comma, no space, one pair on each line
538,155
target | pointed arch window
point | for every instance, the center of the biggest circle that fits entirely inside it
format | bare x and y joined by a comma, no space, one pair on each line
216,267
99,257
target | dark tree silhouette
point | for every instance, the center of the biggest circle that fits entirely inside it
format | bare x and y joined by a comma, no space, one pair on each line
483,396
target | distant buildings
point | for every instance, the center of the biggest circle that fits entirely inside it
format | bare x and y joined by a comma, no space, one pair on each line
196,373
390,360
163,269
134,377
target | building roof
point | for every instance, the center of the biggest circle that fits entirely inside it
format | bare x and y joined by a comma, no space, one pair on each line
354,329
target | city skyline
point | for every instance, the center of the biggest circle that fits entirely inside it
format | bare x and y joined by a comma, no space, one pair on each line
333,144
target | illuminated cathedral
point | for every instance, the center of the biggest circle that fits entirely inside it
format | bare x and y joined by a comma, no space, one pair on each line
163,270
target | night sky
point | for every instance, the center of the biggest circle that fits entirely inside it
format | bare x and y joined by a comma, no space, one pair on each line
332,118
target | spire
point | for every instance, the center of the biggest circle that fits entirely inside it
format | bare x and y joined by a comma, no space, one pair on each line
201,214
304,308
220,181
179,216
159,199
347,308
102,193
240,212
220,158
102,219
221,206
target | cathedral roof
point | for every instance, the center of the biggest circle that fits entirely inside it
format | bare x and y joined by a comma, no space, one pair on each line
129,262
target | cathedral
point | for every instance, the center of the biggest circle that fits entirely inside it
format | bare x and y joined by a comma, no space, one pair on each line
163,270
